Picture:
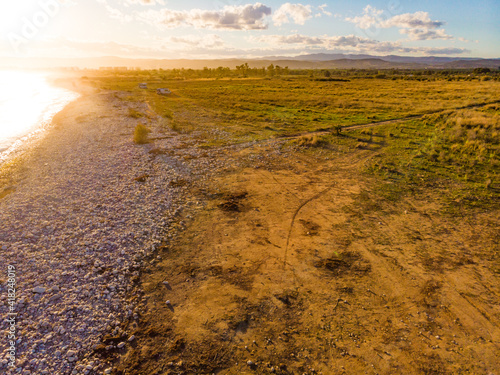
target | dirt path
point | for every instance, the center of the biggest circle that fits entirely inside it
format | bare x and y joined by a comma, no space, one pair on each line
370,287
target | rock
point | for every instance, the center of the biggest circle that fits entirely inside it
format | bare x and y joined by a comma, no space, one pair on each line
131,338
108,370
250,363
120,345
39,290
70,353
55,296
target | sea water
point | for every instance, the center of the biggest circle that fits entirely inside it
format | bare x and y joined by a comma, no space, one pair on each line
27,105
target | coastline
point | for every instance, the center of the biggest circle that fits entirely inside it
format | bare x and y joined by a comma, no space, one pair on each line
25,141
77,223
263,251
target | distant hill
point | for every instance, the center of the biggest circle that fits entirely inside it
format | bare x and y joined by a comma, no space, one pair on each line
429,61
311,61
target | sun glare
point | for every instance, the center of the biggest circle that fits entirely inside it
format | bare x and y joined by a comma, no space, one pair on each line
12,13
26,100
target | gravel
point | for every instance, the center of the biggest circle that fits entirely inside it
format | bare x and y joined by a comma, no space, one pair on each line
79,228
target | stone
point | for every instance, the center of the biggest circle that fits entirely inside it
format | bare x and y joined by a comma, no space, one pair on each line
120,345
39,290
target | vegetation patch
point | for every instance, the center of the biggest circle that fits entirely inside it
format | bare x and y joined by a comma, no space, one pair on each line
135,114
141,134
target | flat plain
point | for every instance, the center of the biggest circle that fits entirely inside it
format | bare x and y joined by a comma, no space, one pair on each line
320,247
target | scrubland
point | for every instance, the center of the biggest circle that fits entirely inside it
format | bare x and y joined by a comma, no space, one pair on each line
352,230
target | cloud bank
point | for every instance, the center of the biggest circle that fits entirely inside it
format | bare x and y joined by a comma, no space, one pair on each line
418,25
243,17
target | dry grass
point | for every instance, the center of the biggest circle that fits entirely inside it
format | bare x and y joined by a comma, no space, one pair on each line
135,114
141,133
260,108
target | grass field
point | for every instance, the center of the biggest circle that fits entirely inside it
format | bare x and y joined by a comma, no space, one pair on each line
261,108
371,251
453,145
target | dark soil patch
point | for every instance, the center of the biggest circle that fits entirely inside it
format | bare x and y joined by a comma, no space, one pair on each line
345,263
233,202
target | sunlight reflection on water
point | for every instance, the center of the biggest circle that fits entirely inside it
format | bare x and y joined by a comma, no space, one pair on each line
27,104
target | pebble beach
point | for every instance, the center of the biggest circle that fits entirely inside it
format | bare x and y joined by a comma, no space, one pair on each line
87,207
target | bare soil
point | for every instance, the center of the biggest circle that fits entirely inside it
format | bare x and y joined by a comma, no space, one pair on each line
292,265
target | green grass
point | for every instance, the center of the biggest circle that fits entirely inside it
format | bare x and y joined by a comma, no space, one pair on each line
257,108
456,153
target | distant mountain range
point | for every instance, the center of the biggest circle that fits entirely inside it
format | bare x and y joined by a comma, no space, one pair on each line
311,61
424,61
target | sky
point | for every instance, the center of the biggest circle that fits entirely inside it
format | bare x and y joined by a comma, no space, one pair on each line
196,29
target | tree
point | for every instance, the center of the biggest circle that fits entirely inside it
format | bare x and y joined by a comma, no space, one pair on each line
270,70
481,70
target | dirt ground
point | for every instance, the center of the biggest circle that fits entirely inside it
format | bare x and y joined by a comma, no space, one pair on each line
291,265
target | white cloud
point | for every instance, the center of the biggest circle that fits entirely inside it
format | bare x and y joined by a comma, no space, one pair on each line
322,10
297,12
375,17
211,46
412,21
115,13
205,41
371,16
349,43
242,17
425,34
290,39
418,25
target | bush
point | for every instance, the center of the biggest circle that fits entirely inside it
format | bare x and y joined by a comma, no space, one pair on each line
135,114
312,141
141,134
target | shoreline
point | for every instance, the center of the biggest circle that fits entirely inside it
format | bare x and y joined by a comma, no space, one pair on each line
78,224
22,143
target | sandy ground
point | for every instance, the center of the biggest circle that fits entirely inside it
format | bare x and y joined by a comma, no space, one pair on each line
293,267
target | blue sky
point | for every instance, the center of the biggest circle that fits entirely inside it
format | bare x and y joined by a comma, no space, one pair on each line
242,28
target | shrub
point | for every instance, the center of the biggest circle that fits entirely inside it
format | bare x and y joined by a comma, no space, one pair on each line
141,134
135,114
168,114
312,141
